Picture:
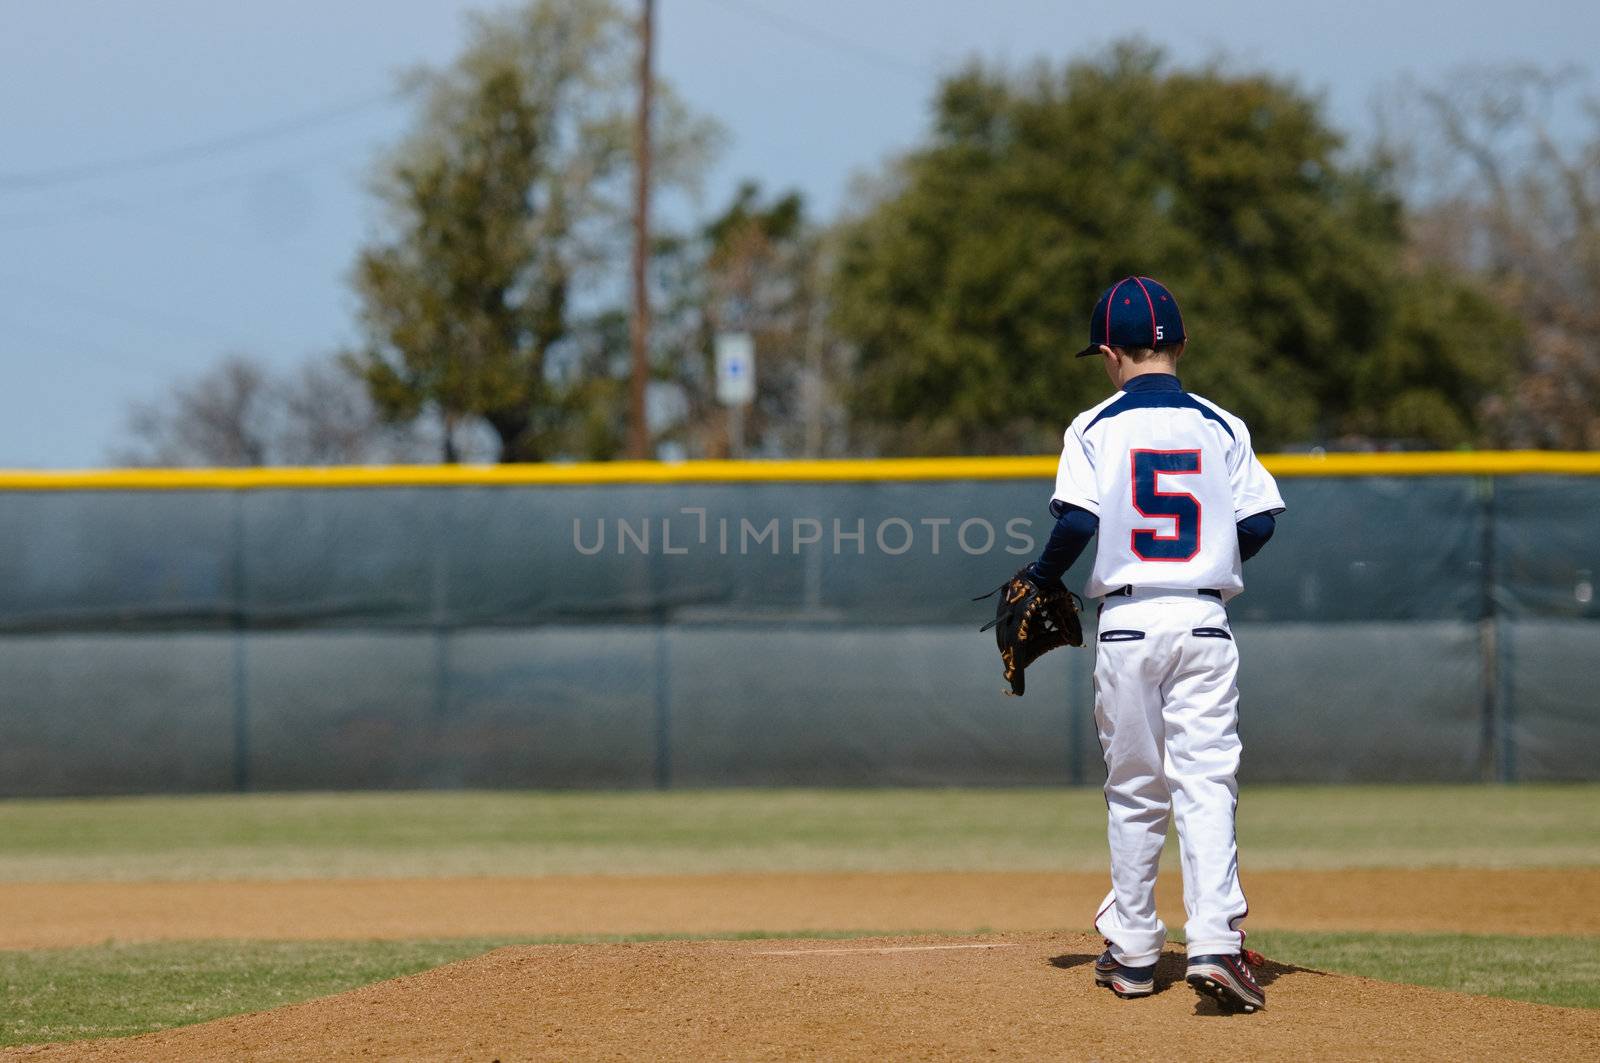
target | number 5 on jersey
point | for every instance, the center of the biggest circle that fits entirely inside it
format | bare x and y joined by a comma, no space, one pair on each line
1183,541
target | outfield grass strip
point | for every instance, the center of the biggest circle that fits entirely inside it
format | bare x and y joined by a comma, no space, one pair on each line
422,834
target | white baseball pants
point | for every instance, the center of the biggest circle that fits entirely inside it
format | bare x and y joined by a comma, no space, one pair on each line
1167,708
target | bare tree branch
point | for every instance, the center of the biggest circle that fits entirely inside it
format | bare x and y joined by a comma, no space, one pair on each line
241,413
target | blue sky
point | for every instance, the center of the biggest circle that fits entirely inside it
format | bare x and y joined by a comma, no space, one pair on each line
116,280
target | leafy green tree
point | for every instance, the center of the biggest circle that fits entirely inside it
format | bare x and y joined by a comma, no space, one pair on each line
508,199
966,286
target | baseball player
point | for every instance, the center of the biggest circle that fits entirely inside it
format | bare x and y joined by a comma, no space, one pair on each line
1179,500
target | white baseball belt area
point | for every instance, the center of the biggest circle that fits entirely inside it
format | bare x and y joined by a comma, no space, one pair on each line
1129,591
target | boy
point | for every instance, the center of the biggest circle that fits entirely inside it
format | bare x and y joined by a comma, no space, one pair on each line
1179,500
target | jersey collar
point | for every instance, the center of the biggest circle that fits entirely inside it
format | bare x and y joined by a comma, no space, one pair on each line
1153,382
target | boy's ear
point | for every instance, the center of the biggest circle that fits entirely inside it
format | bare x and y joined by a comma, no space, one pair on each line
1111,362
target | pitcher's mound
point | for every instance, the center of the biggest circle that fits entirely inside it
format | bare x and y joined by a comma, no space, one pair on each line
1000,996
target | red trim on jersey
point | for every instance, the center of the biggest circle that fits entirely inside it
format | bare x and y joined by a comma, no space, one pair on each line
1156,474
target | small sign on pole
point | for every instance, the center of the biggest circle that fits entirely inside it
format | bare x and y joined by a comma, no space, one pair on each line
736,368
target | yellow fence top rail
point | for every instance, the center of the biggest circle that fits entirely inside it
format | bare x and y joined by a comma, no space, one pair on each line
1450,463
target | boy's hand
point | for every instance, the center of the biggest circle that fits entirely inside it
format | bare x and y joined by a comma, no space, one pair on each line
1032,574
1032,618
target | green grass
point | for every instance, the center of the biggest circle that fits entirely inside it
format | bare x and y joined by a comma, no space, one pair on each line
476,833
1547,970
119,990
58,994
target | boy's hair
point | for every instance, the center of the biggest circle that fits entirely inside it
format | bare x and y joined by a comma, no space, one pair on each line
1140,355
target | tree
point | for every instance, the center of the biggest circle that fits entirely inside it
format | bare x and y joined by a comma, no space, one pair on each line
965,287
223,417
241,413
1500,193
507,201
756,267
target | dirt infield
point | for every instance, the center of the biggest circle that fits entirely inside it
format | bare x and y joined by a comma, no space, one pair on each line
61,914
997,996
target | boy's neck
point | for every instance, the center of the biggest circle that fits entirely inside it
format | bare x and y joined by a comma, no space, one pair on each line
1136,371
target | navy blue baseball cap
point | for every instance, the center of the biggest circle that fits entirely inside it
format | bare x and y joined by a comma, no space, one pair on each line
1134,312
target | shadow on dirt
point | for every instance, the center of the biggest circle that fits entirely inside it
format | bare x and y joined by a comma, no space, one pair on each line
1171,967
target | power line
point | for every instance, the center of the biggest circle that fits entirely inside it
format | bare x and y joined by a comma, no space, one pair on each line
828,39
96,303
122,206
73,347
57,176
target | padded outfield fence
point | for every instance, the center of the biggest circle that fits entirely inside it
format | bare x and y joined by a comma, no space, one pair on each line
1418,617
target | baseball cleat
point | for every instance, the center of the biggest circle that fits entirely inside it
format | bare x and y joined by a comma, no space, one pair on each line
1125,982
1227,978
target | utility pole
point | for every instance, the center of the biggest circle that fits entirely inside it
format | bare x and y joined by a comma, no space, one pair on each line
639,330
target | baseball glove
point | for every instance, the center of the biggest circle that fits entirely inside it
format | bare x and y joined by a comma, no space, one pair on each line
1029,621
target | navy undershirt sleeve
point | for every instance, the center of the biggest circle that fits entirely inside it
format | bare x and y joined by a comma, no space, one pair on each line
1075,526
1254,531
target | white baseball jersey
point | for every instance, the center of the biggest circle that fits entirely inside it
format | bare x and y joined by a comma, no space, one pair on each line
1168,474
